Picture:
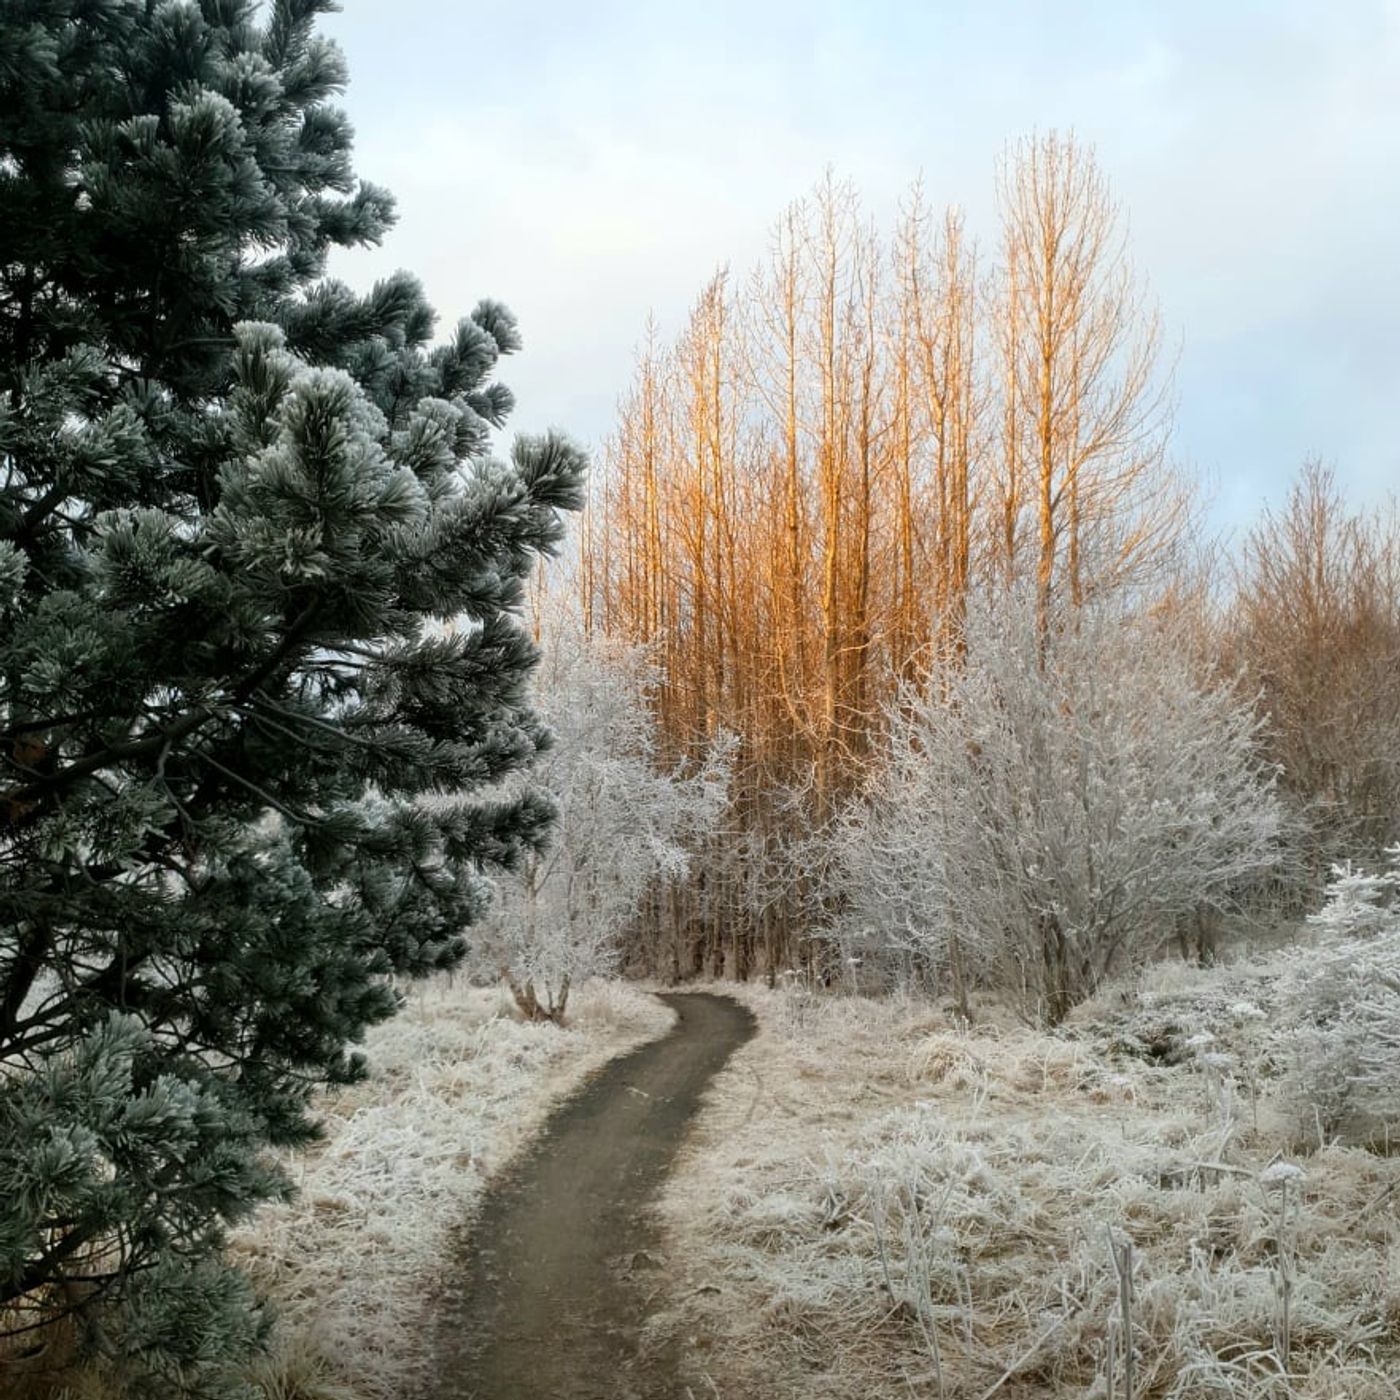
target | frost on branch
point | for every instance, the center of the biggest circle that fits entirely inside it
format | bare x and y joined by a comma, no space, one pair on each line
624,824
1053,806
1341,1007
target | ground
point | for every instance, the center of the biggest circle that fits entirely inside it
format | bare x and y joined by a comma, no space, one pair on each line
878,1202
458,1086
561,1265
872,1200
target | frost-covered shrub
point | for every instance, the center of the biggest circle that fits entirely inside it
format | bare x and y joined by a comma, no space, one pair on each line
1053,805
1360,903
1341,1007
625,822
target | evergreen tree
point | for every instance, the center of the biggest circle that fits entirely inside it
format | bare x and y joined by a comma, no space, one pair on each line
240,509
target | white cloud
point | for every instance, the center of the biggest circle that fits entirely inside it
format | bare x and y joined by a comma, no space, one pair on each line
588,172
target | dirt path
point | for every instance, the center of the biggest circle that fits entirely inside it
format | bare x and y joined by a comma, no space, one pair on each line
562,1262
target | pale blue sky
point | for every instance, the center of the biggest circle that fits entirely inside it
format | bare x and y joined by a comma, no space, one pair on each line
589,163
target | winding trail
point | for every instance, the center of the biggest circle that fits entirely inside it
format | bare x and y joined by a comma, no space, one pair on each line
555,1280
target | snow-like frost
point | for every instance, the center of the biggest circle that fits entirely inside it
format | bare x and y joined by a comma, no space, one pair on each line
457,1084
1282,1173
878,1196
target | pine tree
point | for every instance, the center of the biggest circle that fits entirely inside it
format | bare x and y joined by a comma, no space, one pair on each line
240,508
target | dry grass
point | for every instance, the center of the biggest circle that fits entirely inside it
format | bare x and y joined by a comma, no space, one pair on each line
459,1084
877,1205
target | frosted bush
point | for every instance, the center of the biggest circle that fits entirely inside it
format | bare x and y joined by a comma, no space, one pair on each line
626,822
1360,904
1341,1009
1053,807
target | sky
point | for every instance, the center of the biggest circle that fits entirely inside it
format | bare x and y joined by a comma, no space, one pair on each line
591,164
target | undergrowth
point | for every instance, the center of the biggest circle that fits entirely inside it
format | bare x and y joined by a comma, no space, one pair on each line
880,1204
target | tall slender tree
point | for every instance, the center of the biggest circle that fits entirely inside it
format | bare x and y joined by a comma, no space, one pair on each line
1084,411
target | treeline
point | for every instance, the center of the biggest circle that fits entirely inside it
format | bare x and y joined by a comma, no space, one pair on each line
808,485
1310,624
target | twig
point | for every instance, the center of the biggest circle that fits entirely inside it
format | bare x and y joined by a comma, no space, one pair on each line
1373,1203
1285,1289
1221,1167
1123,1267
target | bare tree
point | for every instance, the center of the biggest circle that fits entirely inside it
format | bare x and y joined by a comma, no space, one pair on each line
806,485
942,436
1315,631
1083,404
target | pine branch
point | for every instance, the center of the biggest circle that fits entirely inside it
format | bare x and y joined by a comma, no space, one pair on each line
19,801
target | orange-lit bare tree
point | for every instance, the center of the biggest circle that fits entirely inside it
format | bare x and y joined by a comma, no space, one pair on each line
804,487
1083,489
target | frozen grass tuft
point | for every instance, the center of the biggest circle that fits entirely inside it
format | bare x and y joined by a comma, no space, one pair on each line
880,1204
